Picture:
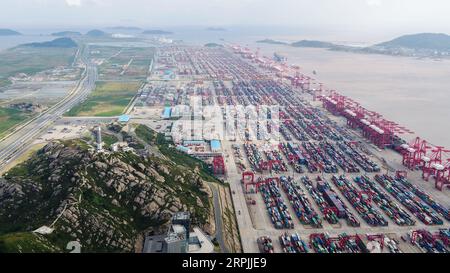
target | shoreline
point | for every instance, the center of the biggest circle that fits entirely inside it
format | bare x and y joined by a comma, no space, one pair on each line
389,85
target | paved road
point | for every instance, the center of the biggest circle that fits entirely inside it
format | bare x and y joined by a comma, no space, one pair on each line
92,118
246,229
19,141
218,220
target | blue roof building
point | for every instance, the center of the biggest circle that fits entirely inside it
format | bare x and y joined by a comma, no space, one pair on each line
167,112
124,118
216,145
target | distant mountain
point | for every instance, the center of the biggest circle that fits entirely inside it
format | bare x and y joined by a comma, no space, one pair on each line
216,29
66,33
312,43
157,32
8,32
125,28
96,33
421,41
270,41
60,43
213,45
424,45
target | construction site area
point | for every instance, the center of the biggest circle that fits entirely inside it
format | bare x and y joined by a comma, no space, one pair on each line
309,170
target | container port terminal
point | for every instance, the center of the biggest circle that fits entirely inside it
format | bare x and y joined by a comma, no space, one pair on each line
309,169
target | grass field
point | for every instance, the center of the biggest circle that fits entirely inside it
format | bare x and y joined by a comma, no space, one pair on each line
145,134
25,242
109,139
115,65
32,60
9,118
108,99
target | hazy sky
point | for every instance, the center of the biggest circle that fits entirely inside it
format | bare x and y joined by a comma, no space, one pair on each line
362,15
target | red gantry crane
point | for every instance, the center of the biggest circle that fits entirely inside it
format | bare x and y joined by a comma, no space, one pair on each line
442,177
434,165
379,237
219,165
248,179
377,129
414,153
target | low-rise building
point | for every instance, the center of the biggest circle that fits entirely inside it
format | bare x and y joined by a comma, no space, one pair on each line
179,238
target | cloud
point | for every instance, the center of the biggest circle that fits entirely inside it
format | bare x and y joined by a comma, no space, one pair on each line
73,3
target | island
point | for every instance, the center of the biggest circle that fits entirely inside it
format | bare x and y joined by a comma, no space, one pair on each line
213,45
66,34
313,43
429,45
421,41
96,33
60,43
8,32
157,32
272,42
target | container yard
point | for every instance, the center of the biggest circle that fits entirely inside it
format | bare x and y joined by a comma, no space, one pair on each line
300,203
411,201
293,156
330,212
265,244
383,201
361,201
336,204
276,207
343,243
309,170
429,242
293,243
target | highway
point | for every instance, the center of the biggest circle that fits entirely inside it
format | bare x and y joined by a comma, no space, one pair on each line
19,141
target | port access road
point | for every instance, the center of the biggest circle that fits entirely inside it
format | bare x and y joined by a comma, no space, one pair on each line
19,141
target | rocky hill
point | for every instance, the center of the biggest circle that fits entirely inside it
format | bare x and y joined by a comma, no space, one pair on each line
103,200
